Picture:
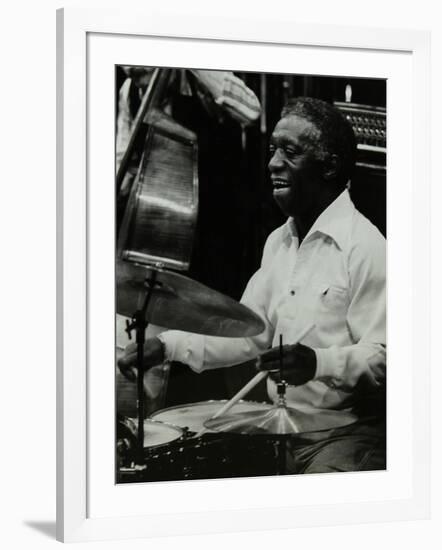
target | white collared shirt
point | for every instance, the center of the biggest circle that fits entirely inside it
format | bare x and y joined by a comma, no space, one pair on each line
336,280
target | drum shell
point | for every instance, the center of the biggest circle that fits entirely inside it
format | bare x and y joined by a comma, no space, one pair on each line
209,457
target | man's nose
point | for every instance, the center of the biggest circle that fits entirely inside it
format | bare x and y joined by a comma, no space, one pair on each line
276,161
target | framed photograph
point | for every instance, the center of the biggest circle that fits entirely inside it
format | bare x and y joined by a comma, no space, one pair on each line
253,197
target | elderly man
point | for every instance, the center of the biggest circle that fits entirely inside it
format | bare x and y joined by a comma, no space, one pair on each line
325,266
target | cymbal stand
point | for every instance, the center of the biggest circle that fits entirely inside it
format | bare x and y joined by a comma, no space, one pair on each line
282,439
139,324
281,389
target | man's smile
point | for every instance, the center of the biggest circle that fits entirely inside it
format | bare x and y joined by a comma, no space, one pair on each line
279,183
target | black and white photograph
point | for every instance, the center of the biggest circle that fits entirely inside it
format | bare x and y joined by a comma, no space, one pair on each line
250,274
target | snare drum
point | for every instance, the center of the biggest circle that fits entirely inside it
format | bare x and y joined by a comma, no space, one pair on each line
192,416
156,435
159,433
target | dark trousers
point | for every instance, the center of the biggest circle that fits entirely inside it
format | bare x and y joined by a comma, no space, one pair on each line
358,447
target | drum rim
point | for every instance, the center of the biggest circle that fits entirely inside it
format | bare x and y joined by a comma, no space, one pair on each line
168,425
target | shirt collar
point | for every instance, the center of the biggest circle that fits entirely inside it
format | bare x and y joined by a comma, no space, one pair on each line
334,221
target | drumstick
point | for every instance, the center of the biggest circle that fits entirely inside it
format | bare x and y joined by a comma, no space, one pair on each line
242,392
251,384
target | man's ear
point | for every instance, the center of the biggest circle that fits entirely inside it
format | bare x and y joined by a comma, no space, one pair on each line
331,166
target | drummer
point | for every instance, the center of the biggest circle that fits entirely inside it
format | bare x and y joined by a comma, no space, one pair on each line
326,266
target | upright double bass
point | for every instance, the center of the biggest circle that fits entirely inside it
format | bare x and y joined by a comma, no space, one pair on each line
156,224
159,219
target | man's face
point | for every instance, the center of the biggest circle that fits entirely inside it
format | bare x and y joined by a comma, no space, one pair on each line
296,173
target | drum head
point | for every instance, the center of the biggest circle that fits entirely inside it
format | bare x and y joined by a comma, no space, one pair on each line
193,415
158,433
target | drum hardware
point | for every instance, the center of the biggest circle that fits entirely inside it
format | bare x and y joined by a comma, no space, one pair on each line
130,473
139,324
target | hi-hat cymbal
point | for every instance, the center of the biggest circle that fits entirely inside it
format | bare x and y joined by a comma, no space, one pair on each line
279,420
178,302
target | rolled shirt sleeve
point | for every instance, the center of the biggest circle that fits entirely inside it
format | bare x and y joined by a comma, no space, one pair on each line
231,94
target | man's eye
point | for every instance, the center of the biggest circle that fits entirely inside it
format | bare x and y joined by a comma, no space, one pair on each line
289,152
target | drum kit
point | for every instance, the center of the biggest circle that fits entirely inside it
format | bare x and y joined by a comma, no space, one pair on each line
209,439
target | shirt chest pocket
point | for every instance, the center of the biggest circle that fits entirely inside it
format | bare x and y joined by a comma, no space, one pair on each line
331,299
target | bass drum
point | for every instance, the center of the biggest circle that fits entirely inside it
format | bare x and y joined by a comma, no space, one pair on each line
191,417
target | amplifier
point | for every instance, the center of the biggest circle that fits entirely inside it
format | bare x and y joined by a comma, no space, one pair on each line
368,185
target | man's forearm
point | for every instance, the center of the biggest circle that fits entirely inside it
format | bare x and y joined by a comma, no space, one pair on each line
345,367
207,352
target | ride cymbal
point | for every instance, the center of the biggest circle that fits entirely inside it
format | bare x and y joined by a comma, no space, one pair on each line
178,302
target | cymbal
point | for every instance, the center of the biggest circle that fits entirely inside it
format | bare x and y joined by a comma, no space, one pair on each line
178,302
280,420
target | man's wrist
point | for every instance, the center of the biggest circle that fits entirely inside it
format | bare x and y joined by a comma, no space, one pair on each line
163,346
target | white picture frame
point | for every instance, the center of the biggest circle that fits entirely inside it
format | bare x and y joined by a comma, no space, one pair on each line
81,470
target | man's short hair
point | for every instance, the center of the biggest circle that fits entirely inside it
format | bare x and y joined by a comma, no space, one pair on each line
336,135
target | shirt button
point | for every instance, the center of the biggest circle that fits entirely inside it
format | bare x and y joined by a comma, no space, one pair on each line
292,292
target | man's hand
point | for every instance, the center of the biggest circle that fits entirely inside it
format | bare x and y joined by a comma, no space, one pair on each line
299,364
153,355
